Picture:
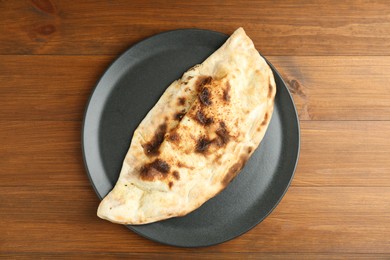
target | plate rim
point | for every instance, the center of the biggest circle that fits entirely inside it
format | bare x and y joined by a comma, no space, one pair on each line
121,56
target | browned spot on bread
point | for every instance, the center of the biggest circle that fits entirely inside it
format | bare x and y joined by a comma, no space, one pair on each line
249,150
151,148
174,137
194,67
265,119
226,90
202,144
205,97
234,170
179,116
157,168
269,90
189,77
170,184
223,135
182,100
202,81
176,175
217,158
160,165
182,165
202,119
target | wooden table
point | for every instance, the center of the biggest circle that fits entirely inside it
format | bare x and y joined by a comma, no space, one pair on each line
335,56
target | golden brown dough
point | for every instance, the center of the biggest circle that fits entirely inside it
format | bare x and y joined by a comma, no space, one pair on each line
196,138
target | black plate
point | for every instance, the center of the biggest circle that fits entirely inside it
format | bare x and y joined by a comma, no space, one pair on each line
130,88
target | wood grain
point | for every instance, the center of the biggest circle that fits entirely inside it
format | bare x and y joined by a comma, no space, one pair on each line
324,88
333,55
193,255
48,87
338,88
319,219
344,153
277,27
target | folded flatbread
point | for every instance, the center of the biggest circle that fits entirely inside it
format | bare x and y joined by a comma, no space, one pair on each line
197,137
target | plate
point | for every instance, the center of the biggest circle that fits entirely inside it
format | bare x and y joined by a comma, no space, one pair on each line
126,92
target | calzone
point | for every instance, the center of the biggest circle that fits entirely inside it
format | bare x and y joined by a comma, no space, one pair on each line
197,137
